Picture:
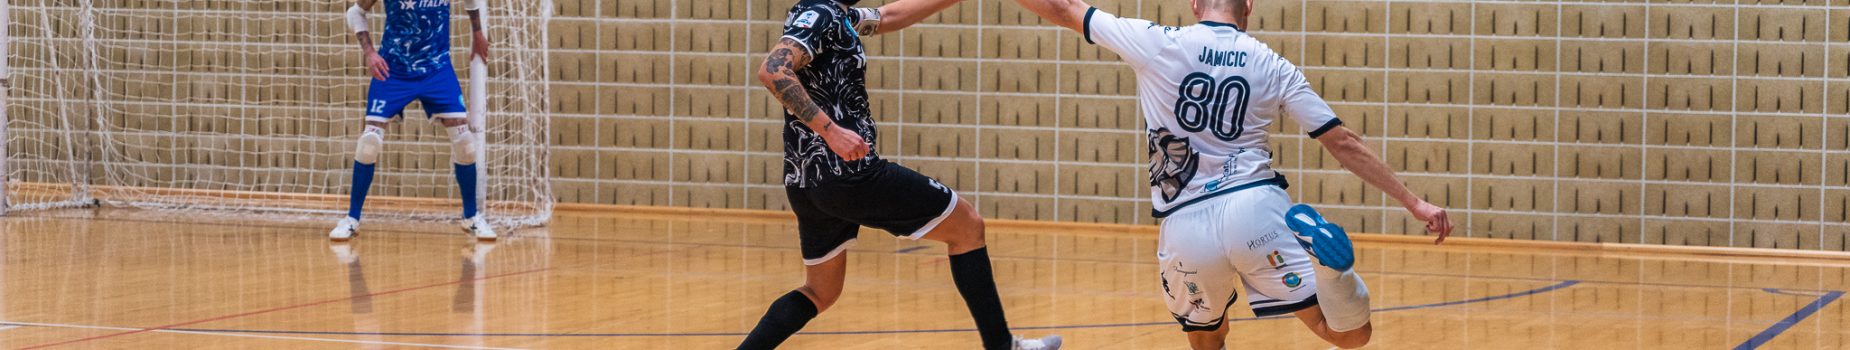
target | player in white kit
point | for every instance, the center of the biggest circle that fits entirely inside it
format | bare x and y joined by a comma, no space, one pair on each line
1207,93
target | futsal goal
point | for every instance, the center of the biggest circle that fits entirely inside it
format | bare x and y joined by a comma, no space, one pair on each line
252,108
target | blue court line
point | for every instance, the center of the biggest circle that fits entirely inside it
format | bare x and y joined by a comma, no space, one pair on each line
1550,288
1557,286
1796,292
1793,319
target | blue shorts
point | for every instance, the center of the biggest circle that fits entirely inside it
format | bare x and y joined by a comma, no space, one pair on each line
439,93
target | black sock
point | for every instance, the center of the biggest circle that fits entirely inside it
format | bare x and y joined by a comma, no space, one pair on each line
787,316
970,271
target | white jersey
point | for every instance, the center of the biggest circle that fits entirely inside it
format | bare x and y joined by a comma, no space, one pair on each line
1207,92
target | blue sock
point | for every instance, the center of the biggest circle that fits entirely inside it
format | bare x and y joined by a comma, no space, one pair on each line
465,180
362,181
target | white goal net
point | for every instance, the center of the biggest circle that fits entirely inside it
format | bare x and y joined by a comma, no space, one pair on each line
250,107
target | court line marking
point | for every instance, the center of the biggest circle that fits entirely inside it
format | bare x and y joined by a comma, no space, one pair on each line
1033,258
13,324
1780,327
1551,288
129,331
872,251
1800,293
1545,289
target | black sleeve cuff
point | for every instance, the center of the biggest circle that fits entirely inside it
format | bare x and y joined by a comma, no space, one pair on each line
1325,128
1086,26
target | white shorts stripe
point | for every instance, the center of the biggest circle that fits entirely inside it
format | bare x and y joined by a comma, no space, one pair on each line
831,255
948,209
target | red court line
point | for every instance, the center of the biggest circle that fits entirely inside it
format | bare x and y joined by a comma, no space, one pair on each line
275,309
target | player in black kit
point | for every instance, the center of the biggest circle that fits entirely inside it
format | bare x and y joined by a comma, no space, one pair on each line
836,183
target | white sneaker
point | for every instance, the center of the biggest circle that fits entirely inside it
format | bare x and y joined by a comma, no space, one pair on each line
1327,243
478,227
1051,342
345,230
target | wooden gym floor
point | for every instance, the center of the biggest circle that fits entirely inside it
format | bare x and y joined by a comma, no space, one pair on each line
111,278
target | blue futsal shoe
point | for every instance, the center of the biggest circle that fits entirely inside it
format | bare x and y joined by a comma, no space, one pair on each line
1325,241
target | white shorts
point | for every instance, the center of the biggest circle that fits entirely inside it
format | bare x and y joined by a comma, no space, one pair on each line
1242,235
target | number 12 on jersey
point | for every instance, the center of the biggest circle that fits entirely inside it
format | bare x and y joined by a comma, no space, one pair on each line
1203,104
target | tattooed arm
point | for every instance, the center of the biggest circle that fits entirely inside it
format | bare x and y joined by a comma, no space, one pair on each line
356,18
779,74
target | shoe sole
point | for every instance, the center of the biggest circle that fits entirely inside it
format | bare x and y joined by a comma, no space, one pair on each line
1317,228
355,233
471,233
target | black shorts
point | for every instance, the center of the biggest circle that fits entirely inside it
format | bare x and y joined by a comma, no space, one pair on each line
889,197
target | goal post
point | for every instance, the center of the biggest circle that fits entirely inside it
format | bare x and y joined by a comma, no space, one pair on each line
478,117
5,89
253,108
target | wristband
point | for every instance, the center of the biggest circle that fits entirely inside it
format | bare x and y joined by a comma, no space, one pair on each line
870,21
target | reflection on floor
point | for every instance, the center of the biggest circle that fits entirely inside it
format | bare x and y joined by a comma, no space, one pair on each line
128,279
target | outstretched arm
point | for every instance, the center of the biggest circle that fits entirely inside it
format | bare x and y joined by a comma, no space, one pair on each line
1065,13
1355,156
779,73
898,15
356,20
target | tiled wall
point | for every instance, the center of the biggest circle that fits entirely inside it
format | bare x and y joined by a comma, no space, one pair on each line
1685,123
1662,122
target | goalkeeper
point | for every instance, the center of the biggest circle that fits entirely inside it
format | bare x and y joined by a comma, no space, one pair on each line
413,63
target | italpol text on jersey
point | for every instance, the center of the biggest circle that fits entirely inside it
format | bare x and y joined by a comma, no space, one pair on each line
410,4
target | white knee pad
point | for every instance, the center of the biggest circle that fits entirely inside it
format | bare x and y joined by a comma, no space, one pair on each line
371,141
464,144
1343,297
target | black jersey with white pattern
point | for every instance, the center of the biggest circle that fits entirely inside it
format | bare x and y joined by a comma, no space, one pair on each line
836,79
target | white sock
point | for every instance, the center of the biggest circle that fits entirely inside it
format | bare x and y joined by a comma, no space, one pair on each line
1343,297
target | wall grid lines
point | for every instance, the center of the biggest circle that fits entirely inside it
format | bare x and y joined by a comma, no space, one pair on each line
1655,122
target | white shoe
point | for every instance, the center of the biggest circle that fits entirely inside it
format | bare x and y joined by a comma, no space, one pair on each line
478,227
1051,342
1327,243
346,229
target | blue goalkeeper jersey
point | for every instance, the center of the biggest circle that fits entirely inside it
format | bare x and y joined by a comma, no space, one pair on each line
417,37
